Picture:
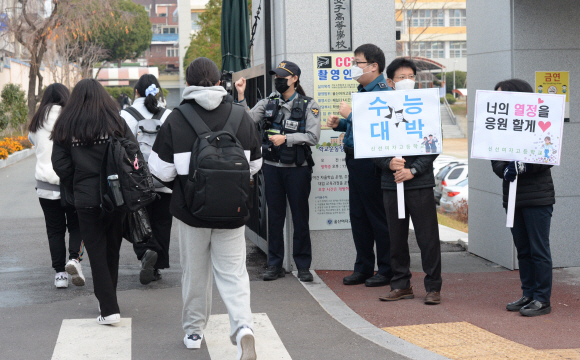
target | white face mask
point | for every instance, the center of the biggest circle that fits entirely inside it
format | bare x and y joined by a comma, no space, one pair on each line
356,72
406,84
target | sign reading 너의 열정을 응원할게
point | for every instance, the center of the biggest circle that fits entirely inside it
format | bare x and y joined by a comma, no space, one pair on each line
517,126
397,123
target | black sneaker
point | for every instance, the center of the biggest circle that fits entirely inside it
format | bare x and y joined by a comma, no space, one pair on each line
517,305
536,308
305,275
148,261
273,273
157,275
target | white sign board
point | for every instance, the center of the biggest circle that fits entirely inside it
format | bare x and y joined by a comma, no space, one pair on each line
516,126
396,123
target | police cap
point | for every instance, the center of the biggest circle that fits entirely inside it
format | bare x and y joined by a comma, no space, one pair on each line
286,68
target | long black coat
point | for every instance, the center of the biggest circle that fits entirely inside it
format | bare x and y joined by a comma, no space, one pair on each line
535,186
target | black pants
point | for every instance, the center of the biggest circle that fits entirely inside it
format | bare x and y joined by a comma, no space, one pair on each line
161,220
367,217
531,234
292,183
420,206
58,219
103,236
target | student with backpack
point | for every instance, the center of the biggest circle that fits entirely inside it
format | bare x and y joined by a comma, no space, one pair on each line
81,138
58,214
145,118
292,125
206,151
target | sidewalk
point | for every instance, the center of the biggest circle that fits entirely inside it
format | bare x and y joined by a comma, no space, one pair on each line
471,322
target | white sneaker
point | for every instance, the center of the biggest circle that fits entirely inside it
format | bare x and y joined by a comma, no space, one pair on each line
61,280
246,344
73,268
108,320
193,341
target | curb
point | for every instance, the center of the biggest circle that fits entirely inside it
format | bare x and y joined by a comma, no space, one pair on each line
336,308
16,157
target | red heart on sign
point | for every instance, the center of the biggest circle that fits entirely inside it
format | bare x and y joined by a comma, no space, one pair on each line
540,101
544,125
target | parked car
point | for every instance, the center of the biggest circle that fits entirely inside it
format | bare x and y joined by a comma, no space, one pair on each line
449,175
441,161
452,195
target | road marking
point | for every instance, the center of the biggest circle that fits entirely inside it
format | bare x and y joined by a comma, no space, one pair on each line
268,343
85,339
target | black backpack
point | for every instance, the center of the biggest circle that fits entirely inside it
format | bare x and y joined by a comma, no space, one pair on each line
124,159
218,184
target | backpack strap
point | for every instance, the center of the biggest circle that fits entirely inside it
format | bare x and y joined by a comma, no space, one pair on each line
136,114
235,119
193,118
159,115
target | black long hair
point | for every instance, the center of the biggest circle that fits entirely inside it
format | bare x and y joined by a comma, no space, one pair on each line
202,72
54,94
150,100
89,114
299,88
515,85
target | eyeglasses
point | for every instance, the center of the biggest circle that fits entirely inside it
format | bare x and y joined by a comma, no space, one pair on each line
356,63
403,77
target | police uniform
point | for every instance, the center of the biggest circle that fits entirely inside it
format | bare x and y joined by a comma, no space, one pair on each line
367,212
288,168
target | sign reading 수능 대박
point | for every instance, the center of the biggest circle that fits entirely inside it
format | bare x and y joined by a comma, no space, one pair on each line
396,123
516,126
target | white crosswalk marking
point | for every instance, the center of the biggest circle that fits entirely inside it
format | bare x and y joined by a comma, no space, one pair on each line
268,344
85,339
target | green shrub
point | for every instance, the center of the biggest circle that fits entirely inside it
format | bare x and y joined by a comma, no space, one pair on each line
450,99
13,108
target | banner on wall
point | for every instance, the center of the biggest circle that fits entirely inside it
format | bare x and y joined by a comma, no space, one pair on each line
555,82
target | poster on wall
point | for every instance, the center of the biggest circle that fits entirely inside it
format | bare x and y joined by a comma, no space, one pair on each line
555,82
396,123
332,82
516,126
329,206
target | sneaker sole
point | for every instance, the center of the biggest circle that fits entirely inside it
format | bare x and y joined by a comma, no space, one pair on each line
248,348
109,322
545,311
77,279
147,273
432,302
399,298
196,346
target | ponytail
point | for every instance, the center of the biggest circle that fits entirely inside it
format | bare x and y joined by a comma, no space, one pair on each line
299,89
145,83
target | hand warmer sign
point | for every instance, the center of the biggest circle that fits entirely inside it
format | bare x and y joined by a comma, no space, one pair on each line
516,126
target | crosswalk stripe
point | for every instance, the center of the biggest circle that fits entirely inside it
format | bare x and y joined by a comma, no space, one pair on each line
85,339
268,343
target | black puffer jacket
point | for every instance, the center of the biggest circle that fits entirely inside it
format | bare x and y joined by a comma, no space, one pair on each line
424,177
535,186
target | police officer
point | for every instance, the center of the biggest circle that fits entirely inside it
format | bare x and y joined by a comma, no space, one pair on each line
367,213
291,123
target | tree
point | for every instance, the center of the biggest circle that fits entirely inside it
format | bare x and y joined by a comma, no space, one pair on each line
13,111
126,33
207,42
460,80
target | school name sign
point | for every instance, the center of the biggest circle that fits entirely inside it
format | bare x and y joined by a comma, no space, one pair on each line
515,126
396,123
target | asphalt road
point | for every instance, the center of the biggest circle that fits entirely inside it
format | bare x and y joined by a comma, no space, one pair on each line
32,309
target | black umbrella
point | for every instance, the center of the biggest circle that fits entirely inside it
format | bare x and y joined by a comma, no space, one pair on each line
235,35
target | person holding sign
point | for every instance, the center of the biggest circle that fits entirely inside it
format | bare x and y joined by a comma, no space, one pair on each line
416,172
535,199
367,214
292,126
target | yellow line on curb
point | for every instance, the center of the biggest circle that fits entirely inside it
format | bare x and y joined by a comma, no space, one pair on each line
464,341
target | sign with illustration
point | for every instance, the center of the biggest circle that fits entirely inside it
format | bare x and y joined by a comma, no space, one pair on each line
396,123
329,206
332,82
516,126
554,82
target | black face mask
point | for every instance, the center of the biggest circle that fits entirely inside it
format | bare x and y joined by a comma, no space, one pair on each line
281,85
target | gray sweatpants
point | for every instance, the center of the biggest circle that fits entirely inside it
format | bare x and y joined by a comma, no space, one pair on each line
223,251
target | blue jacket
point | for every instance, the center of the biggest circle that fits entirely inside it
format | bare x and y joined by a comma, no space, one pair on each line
379,84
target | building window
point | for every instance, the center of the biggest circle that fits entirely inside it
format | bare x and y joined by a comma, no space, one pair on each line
172,30
148,9
428,49
424,18
457,17
195,26
155,29
172,52
166,30
458,49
